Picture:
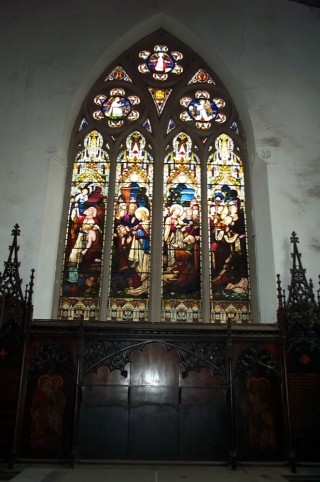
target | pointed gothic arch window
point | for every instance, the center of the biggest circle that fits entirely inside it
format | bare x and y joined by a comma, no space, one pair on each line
156,227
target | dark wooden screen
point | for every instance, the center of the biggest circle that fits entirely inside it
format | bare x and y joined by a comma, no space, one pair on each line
154,413
217,393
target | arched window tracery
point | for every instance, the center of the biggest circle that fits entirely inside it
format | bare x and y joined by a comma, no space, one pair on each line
157,125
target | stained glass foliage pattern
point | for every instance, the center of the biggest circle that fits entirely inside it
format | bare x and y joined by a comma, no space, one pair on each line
130,259
230,300
181,286
81,278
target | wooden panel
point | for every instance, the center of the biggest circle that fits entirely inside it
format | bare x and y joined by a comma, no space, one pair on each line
205,378
105,377
153,429
259,418
155,366
103,423
304,392
9,391
47,421
203,424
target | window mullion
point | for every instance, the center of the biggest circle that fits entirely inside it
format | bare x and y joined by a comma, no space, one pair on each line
156,242
104,315
205,255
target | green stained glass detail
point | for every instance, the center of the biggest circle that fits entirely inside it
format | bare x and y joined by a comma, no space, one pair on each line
116,108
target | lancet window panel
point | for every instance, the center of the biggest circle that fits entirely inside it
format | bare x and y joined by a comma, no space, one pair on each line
130,259
83,255
158,155
229,273
181,276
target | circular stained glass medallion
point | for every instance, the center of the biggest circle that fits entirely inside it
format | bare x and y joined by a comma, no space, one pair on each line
116,107
202,110
161,63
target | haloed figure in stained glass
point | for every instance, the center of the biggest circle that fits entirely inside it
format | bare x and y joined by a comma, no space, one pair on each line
131,245
84,241
227,223
181,223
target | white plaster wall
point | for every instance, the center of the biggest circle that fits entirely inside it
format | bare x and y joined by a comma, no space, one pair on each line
265,52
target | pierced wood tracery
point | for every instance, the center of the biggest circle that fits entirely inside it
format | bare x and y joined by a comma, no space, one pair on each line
52,355
116,355
254,358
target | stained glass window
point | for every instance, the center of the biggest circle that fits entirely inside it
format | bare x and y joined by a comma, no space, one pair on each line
130,259
159,136
227,234
181,274
83,256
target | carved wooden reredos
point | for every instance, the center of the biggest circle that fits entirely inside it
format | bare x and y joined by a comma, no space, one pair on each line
86,390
